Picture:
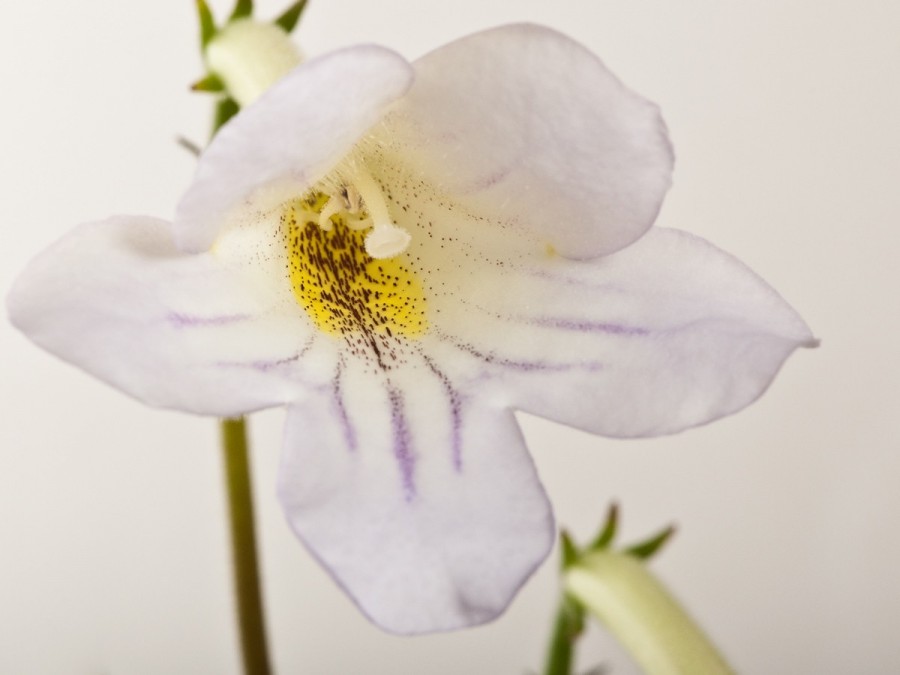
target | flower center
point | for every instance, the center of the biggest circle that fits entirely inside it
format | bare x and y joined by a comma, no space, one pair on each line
345,265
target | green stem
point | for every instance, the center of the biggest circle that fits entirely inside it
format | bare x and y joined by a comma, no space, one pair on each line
566,629
243,546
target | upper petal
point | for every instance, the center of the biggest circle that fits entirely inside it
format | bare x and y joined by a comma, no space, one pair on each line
523,125
286,140
175,330
422,502
666,334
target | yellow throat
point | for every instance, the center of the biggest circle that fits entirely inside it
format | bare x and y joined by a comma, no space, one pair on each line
339,284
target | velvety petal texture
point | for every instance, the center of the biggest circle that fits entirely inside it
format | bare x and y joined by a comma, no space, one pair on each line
117,299
419,499
286,141
524,125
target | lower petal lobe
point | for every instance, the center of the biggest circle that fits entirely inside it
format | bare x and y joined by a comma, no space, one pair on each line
420,500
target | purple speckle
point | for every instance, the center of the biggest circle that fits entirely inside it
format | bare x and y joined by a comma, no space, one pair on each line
494,178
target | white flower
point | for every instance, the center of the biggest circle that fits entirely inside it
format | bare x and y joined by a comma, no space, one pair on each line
505,185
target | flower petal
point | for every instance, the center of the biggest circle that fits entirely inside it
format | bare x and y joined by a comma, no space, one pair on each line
421,502
180,331
521,124
286,140
666,334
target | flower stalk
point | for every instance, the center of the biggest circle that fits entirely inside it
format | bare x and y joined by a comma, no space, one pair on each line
251,622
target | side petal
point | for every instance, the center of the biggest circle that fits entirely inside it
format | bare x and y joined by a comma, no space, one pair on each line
286,140
421,502
117,299
666,334
523,125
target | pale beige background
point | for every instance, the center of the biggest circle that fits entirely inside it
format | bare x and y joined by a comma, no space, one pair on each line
784,115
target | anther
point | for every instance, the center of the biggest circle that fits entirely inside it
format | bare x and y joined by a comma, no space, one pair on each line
331,208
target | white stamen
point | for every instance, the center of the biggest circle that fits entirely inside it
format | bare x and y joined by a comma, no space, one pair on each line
332,207
358,223
386,240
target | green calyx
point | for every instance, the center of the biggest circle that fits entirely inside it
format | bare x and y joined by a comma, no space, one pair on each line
285,23
581,561
289,18
208,28
605,539
243,9
616,587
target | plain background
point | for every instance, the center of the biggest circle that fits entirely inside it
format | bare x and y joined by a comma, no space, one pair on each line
785,115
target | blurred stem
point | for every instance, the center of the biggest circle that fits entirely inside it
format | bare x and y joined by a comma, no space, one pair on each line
251,624
566,629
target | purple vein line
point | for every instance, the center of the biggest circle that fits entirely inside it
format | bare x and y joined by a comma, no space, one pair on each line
562,323
402,446
519,365
266,366
456,421
338,398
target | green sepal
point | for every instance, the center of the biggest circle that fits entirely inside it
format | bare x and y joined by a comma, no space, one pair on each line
226,108
606,536
242,9
208,84
288,20
568,551
208,28
647,549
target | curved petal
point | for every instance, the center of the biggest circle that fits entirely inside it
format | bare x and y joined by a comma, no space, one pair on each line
523,125
117,299
664,335
423,504
286,140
